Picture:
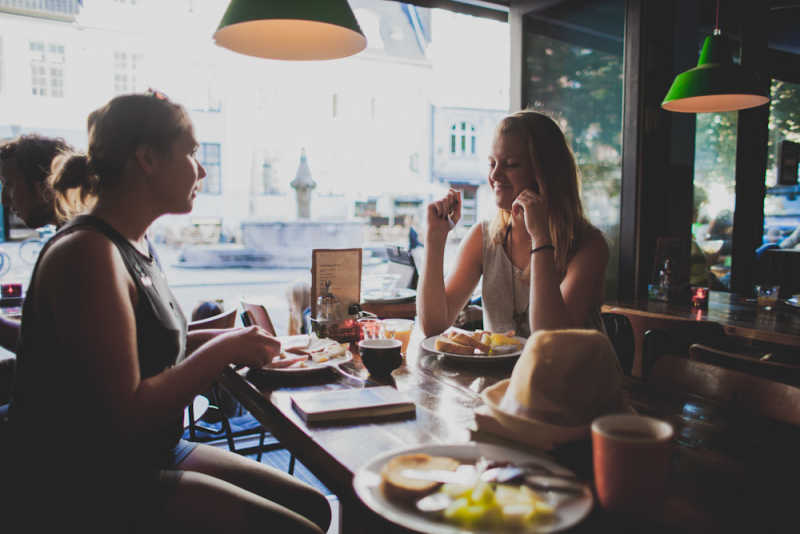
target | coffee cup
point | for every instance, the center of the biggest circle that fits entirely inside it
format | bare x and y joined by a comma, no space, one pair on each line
380,356
631,455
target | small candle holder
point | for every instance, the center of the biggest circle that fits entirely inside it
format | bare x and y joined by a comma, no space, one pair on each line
700,297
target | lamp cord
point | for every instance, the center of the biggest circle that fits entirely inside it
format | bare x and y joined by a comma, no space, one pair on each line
716,20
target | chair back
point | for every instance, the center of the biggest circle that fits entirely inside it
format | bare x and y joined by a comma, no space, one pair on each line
674,336
256,314
620,332
738,392
223,320
772,370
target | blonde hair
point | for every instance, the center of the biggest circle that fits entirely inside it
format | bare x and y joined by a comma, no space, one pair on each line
553,161
116,130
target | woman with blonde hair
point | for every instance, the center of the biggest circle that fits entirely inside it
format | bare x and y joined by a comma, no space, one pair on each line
101,328
541,261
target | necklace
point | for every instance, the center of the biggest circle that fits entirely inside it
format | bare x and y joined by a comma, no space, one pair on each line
519,318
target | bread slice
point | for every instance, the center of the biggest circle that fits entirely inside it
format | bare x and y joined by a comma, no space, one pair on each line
397,487
465,339
444,344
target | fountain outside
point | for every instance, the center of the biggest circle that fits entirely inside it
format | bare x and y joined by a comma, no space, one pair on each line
272,243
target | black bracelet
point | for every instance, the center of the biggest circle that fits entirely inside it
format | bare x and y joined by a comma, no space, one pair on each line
537,249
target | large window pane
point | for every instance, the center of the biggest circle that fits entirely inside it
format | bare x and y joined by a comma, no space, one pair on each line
574,65
714,196
781,204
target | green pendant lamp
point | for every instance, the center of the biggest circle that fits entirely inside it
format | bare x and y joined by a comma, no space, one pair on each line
716,84
291,29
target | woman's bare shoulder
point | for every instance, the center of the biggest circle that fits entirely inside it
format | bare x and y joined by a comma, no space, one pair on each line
593,243
81,254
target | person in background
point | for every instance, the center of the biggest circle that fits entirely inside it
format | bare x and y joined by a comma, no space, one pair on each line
542,262
126,362
206,309
299,297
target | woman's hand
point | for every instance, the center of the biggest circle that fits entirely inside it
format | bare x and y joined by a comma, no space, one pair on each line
532,208
438,212
250,346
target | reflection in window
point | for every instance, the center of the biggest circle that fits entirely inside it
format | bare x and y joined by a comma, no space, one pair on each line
714,196
209,157
781,204
574,62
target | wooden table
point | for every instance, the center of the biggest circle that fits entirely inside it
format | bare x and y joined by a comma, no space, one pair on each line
715,489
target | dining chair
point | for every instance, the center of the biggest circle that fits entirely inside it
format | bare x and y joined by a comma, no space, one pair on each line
738,392
254,313
225,319
747,363
673,336
619,331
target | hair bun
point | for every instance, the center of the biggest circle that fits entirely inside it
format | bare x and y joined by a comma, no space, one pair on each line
72,170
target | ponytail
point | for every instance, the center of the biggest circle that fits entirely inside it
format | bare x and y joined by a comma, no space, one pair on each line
73,183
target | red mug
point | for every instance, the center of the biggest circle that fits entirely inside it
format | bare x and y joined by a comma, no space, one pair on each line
631,455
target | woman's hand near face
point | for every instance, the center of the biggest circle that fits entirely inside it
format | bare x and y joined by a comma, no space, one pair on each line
532,208
438,211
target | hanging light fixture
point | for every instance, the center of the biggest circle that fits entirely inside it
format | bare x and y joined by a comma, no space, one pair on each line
293,29
716,83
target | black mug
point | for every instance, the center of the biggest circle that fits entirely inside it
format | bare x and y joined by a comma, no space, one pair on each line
380,356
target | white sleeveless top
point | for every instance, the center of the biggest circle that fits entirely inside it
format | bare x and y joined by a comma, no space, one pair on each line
498,296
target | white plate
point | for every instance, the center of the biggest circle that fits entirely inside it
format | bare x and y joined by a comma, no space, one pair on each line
310,365
429,344
793,301
392,295
569,510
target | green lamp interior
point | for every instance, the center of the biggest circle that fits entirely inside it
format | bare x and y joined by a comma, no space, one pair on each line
716,84
297,30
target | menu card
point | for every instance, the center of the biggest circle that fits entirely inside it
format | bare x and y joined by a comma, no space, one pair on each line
342,267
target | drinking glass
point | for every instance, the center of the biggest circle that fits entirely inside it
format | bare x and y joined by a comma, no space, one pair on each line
399,329
767,296
370,328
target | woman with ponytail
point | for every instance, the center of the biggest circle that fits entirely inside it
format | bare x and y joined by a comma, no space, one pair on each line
541,262
101,328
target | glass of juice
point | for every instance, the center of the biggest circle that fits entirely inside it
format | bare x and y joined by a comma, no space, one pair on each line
399,329
767,296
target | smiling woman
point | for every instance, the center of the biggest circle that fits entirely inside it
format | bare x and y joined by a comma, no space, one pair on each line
541,261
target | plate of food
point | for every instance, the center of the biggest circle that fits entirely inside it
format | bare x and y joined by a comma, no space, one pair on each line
307,353
475,345
472,487
400,294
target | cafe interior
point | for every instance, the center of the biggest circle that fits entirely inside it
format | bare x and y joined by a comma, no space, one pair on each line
692,423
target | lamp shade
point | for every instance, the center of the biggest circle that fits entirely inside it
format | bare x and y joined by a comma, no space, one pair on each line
293,29
715,84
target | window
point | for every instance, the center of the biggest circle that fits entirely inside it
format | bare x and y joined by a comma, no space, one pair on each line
1,65
209,157
47,69
462,139
714,195
781,203
126,66
573,57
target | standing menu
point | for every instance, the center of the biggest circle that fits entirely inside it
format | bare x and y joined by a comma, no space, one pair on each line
342,268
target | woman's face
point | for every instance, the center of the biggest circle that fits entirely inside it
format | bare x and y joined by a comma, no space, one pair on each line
510,169
181,174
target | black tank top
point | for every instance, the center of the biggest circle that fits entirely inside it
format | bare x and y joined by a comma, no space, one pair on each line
53,395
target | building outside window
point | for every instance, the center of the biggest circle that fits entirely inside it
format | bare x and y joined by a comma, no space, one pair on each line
462,139
126,66
47,69
208,154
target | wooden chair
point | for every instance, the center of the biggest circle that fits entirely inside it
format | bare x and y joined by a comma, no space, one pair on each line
620,332
223,320
674,336
257,314
750,364
738,392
